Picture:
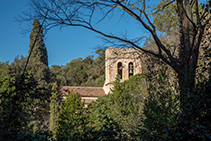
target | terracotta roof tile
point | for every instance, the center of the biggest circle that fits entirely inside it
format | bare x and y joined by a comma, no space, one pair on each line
83,91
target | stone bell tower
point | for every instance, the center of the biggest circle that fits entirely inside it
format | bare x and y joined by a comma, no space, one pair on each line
123,62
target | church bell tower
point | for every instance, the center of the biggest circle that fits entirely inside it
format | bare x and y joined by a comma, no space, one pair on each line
123,62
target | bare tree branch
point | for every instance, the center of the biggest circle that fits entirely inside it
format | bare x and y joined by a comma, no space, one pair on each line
106,14
71,13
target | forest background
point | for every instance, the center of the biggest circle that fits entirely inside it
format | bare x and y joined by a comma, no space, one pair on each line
169,101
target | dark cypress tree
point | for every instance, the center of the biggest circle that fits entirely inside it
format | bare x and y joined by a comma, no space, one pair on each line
38,62
54,109
39,52
38,67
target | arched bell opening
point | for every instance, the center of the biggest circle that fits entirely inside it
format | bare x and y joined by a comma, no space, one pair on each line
119,69
130,69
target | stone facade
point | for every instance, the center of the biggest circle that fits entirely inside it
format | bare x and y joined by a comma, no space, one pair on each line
125,62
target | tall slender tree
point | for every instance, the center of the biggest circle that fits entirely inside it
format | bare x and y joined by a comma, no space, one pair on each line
54,109
39,51
38,67
38,62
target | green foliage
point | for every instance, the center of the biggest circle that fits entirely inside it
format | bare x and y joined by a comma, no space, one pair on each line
71,119
161,105
37,136
17,106
122,109
195,124
100,114
166,19
127,100
164,115
1,78
39,52
38,62
81,72
17,66
145,107
101,124
100,81
23,101
54,105
12,73
6,80
38,67
59,75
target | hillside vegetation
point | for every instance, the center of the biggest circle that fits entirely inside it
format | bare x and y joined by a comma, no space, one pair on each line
170,100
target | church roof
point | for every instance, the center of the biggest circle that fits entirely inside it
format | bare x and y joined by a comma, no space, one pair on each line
83,91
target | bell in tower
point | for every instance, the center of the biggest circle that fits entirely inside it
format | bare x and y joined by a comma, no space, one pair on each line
124,62
130,66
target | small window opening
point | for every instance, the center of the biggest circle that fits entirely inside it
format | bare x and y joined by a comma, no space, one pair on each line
119,69
130,69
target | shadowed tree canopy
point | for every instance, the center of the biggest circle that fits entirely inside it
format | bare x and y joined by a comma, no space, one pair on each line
192,23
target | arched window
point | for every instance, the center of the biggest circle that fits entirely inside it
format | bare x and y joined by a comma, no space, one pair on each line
130,69
119,69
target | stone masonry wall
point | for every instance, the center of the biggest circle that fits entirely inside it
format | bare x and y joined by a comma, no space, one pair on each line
115,55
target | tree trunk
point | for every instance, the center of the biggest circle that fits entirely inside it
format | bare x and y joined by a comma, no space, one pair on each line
188,52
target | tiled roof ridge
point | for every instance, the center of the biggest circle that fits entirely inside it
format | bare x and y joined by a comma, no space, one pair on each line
79,87
83,91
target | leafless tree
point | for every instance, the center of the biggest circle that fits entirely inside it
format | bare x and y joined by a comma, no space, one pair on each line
62,13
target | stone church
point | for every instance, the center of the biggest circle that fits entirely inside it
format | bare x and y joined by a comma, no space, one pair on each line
118,61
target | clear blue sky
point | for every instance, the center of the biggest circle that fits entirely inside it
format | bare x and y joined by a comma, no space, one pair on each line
62,45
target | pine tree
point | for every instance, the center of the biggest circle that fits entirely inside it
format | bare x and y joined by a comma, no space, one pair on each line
54,109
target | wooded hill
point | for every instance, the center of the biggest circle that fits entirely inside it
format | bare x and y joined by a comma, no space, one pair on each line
170,100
